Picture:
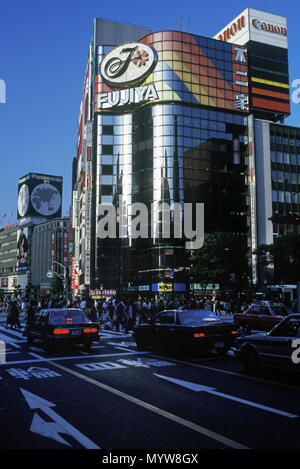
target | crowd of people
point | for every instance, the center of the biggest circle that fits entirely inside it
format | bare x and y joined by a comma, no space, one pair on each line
115,313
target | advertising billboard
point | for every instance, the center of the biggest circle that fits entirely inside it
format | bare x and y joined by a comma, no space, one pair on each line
39,195
265,36
22,250
176,67
255,25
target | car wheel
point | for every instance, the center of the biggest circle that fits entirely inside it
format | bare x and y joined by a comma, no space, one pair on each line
29,340
87,345
139,344
175,347
222,351
46,344
243,330
251,361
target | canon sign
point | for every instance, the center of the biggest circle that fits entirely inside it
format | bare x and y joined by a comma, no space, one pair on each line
233,29
269,27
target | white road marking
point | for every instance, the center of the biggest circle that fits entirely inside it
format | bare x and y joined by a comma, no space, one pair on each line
202,388
233,373
162,413
52,429
10,341
78,357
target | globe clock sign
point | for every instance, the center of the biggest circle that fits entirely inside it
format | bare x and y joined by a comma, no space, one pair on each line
45,199
40,196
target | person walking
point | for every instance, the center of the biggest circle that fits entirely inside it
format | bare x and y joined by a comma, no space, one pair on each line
119,320
14,316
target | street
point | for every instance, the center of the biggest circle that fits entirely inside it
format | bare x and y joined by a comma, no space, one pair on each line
114,397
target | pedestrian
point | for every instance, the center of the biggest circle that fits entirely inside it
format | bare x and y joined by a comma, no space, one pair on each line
14,316
128,317
119,315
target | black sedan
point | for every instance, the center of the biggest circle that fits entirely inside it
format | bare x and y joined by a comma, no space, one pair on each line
61,326
279,348
179,330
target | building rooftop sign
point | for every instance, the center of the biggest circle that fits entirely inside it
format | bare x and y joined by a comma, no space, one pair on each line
255,25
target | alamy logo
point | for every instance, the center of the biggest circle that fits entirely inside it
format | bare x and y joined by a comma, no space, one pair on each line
2,352
165,221
296,353
2,92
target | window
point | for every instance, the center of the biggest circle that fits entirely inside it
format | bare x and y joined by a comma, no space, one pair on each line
289,328
166,318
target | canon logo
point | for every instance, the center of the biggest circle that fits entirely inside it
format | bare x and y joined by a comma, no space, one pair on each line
269,27
233,29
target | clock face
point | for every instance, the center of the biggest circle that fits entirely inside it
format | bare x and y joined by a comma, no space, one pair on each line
23,200
46,199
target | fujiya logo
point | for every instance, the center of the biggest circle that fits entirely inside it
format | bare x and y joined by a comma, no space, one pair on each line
269,27
128,64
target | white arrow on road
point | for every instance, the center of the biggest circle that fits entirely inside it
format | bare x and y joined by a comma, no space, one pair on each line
52,429
201,388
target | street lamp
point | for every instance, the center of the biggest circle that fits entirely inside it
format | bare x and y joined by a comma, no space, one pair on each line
64,277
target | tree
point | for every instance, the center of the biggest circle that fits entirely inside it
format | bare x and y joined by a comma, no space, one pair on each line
284,253
17,291
57,286
222,259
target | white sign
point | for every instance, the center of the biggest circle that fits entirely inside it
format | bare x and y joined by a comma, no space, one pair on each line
128,64
255,25
128,96
32,372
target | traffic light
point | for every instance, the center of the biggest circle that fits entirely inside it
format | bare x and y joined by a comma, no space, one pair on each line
285,218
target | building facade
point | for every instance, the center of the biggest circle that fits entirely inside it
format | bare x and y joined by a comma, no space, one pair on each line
49,245
173,118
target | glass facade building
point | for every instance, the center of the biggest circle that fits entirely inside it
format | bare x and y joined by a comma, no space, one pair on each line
187,132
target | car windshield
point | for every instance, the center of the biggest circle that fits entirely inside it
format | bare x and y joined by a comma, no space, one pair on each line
67,316
195,317
280,310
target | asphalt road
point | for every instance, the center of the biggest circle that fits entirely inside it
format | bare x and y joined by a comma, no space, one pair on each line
114,397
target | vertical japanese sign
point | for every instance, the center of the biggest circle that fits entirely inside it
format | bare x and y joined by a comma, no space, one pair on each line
88,206
52,250
251,152
65,248
240,78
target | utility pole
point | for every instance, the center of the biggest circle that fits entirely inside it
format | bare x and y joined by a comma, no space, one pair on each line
64,277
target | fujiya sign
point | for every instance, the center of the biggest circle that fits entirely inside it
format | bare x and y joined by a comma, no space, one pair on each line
124,66
128,64
129,96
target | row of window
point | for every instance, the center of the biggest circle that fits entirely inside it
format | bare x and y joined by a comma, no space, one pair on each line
292,141
285,158
285,196
187,39
173,110
286,177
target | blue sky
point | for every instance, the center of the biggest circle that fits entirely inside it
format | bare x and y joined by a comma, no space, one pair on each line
43,54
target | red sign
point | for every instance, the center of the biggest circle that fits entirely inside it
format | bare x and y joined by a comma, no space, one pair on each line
233,29
269,27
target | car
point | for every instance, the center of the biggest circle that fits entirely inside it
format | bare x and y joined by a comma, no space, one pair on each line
62,326
260,317
271,349
179,330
